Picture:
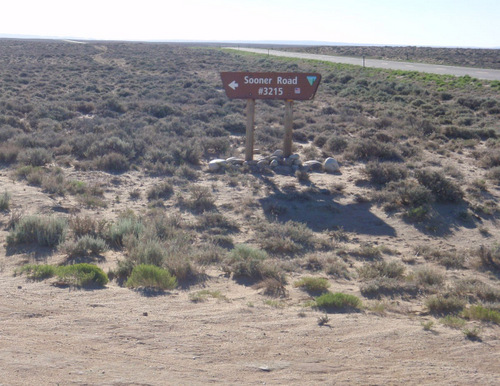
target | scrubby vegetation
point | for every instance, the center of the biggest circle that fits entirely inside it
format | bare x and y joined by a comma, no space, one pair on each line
115,139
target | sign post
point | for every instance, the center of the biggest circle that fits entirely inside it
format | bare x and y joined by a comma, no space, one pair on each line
250,129
288,86
287,143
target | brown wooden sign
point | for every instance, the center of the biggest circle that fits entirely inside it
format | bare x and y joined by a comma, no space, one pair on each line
270,85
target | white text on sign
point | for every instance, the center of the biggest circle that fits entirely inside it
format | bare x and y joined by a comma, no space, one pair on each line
279,80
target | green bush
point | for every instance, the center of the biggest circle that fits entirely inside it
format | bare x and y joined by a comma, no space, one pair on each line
5,201
82,275
149,252
479,312
38,271
452,321
313,284
44,231
246,261
338,301
151,276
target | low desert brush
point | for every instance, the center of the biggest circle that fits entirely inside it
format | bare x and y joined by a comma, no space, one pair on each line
337,301
313,284
151,276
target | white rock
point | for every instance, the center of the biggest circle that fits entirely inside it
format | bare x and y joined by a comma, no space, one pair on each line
274,163
263,163
294,156
313,165
216,164
235,160
331,165
278,153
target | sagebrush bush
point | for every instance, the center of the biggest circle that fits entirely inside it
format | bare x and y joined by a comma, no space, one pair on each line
428,276
247,261
287,238
84,246
5,201
151,276
123,227
382,173
313,284
35,157
392,270
438,304
44,231
162,190
338,301
443,188
113,163
200,199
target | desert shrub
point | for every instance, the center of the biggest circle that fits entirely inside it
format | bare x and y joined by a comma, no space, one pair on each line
82,275
289,238
382,173
438,304
411,193
490,158
428,276
84,246
37,271
479,312
367,149
443,188
246,261
312,284
337,301
35,157
452,321
87,225
8,153
123,227
445,258
489,257
5,201
151,276
149,252
382,285
200,199
337,267
494,174
273,286
162,190
336,144
367,252
393,270
216,222
203,295
113,163
44,231
474,290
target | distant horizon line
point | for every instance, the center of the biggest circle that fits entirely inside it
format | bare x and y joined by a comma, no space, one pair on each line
234,42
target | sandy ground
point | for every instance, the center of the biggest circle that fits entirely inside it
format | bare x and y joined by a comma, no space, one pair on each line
115,336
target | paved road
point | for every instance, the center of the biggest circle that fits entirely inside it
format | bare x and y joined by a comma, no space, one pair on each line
421,67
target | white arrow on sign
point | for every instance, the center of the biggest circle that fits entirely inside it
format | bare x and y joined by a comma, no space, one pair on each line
233,85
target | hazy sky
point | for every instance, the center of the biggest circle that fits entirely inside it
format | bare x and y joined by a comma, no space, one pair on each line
464,23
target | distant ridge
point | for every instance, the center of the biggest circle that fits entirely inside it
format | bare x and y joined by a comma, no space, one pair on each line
235,42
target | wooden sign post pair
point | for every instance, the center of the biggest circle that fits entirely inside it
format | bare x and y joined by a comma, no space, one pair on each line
288,86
